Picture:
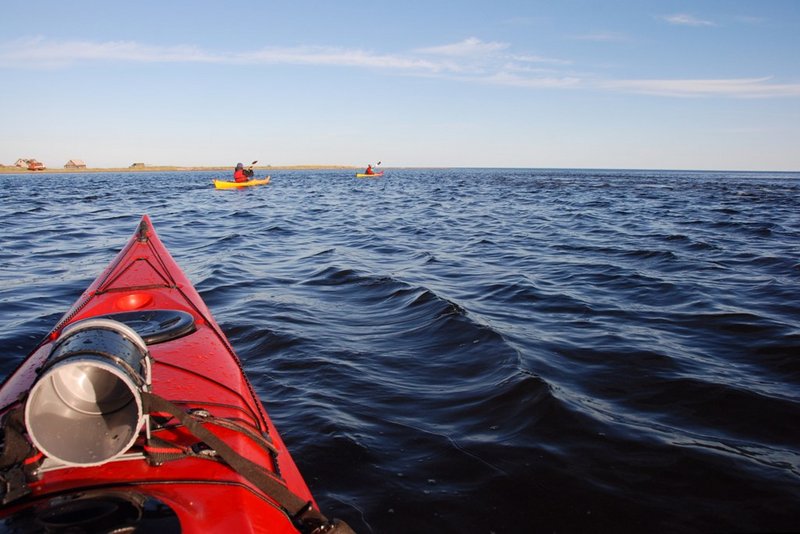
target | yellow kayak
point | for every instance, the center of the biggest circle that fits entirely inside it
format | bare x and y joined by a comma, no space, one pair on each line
363,175
227,184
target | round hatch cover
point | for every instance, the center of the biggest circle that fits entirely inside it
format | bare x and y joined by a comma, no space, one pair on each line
156,326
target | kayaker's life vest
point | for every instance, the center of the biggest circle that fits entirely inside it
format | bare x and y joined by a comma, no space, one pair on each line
242,175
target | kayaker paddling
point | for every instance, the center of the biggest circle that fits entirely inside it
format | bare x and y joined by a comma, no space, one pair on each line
370,171
240,174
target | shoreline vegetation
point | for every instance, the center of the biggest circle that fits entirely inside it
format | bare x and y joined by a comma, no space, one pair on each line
10,169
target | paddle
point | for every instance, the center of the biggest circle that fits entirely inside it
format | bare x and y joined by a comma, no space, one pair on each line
250,170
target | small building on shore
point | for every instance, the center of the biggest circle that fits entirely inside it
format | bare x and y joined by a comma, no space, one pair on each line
75,164
137,166
22,162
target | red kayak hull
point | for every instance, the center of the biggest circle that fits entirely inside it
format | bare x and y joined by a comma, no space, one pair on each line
196,371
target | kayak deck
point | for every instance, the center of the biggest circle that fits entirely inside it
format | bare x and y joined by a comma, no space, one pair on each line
364,175
195,369
227,184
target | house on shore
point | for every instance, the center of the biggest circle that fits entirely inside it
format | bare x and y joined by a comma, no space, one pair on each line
137,166
34,165
30,163
75,164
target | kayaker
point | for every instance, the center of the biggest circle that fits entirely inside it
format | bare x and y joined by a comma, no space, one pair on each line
369,170
240,174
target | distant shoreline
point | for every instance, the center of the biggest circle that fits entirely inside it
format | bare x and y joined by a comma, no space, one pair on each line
10,169
161,168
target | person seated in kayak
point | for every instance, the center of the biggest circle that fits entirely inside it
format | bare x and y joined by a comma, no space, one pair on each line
241,174
369,170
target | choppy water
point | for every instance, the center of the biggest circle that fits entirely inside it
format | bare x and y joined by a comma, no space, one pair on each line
477,350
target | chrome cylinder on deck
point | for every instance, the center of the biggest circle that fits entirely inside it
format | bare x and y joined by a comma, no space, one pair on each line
86,407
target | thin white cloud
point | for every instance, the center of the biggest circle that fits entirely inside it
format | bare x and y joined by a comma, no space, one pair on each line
539,59
341,57
470,47
42,52
469,60
683,19
532,82
736,87
601,37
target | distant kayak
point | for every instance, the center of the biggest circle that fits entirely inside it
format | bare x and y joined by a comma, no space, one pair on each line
227,184
363,175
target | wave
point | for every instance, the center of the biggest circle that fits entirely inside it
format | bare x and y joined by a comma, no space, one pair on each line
477,349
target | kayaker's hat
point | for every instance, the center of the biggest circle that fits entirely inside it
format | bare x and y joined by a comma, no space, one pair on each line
239,166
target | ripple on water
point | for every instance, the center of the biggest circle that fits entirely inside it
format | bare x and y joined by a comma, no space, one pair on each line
477,350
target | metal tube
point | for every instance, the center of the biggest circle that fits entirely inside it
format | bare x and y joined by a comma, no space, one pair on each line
86,408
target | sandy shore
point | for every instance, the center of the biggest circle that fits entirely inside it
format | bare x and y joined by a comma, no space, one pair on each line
162,168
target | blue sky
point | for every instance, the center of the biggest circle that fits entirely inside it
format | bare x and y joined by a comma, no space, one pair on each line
578,84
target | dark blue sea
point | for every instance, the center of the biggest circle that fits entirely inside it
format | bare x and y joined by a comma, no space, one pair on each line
476,350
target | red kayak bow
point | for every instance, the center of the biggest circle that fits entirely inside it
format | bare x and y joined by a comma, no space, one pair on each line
134,413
